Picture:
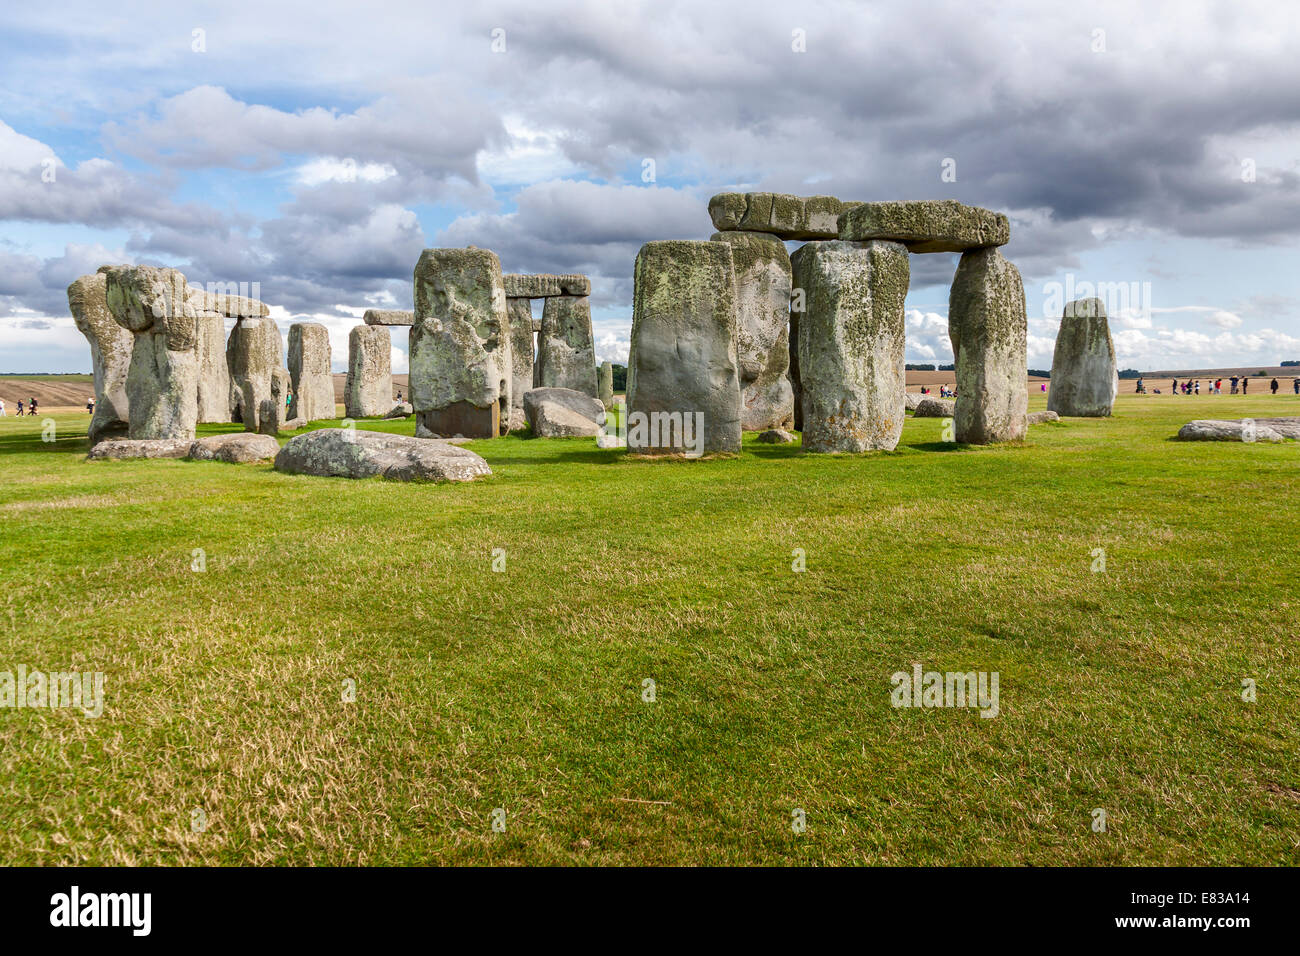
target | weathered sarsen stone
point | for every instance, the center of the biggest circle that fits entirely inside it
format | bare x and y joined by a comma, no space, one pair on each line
523,286
352,453
255,355
778,214
368,392
388,317
683,372
520,312
551,412
988,329
1085,378
605,384
851,344
309,372
461,367
236,448
110,356
162,379
566,348
934,225
763,282
214,374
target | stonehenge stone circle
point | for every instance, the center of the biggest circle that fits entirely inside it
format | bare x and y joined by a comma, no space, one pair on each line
763,284
566,347
162,378
780,215
934,225
388,317
987,327
541,286
351,453
368,392
110,354
255,355
522,349
851,344
683,364
461,367
309,372
605,384
1085,378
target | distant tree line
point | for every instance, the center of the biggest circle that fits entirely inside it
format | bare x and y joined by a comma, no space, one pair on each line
1040,373
1291,362
620,378
1129,373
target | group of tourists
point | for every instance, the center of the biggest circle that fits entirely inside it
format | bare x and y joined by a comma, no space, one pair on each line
1189,387
28,409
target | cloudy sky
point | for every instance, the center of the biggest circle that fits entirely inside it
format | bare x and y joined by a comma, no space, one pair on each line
316,150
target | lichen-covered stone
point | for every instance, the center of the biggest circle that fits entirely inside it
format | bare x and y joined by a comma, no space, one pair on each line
110,355
388,317
353,453
226,301
1243,430
213,396
122,448
763,281
255,355
566,348
368,392
683,348
778,214
851,344
236,448
522,350
576,402
310,373
460,355
542,285
933,225
162,379
988,329
605,384
775,436
1085,377
1042,418
931,407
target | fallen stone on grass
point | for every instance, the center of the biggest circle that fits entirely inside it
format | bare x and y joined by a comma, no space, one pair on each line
929,407
775,436
578,402
1039,418
349,453
1245,430
401,410
119,448
553,420
910,400
238,448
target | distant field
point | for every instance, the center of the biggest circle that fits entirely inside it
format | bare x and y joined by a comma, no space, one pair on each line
525,690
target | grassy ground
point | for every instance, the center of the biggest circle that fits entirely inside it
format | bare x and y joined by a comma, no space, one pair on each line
523,689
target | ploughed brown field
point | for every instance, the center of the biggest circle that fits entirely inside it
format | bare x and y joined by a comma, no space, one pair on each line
68,392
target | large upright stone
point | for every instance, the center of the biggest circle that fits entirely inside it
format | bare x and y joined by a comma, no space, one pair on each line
683,371
461,368
988,329
214,373
162,379
368,392
110,356
851,342
1085,379
521,357
763,281
566,348
778,214
934,225
605,384
255,355
309,372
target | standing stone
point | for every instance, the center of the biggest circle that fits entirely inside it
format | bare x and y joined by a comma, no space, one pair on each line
309,372
796,387
988,329
851,344
521,357
255,355
110,356
566,348
1085,379
162,379
683,361
461,367
606,384
214,374
763,282
369,389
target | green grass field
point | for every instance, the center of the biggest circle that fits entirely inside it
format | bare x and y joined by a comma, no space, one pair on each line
522,689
